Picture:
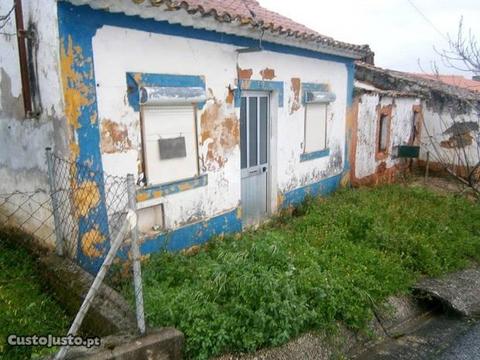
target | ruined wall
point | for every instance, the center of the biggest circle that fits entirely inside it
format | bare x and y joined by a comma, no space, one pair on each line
451,135
450,114
117,51
23,140
370,167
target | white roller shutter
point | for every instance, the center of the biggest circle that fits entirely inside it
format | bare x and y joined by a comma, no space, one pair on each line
171,123
315,127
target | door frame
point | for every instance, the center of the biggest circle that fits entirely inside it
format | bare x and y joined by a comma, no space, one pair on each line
270,149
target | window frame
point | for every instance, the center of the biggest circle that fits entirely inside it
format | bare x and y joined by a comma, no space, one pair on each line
325,147
384,112
144,160
417,125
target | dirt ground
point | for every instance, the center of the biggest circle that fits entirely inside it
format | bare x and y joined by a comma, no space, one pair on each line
441,185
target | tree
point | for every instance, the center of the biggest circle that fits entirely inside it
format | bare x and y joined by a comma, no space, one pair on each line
459,155
463,51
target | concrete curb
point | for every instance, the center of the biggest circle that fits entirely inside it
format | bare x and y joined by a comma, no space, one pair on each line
110,317
109,314
162,344
398,314
459,291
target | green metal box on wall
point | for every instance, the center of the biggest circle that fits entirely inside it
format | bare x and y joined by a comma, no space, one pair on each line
407,151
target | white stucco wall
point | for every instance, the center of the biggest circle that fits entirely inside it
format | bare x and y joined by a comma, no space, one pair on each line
400,130
118,51
437,122
23,140
22,160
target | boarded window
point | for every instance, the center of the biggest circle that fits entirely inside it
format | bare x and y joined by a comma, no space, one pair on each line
170,143
315,127
417,125
383,133
151,219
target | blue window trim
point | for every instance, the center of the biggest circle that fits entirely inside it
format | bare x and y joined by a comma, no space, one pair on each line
174,187
320,153
259,85
136,80
315,155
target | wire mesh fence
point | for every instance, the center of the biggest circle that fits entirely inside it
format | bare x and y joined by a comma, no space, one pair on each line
89,207
31,212
87,216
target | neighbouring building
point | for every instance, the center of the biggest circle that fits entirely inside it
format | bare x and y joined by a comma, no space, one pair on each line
224,111
392,109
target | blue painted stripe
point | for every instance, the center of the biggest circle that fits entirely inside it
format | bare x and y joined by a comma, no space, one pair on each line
201,232
194,234
323,187
314,155
174,187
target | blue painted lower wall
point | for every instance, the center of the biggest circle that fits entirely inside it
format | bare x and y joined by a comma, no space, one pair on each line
194,234
323,187
228,223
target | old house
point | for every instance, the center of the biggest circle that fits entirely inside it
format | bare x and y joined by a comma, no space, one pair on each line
224,111
394,111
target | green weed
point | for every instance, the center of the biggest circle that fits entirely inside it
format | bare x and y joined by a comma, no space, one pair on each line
25,309
334,260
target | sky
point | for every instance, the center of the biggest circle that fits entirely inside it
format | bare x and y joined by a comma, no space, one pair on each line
400,36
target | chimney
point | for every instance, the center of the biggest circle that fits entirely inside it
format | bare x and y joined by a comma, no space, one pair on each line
476,77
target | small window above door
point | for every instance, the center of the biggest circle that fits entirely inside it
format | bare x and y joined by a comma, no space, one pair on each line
254,131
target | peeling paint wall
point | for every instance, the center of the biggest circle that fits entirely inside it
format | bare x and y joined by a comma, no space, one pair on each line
22,159
443,106
369,167
218,124
455,133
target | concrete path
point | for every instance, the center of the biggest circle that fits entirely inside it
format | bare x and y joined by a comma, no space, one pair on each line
460,291
440,337
466,347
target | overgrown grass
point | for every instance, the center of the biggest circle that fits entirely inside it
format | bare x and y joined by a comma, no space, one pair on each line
330,262
25,309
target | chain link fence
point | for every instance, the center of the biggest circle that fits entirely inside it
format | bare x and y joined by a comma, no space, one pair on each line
30,212
87,216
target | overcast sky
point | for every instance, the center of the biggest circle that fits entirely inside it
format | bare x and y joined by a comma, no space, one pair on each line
398,34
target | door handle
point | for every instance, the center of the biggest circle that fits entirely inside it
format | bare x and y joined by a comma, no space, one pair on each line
264,169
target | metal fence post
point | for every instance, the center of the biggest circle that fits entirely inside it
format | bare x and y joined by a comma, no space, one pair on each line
56,218
137,271
427,166
127,225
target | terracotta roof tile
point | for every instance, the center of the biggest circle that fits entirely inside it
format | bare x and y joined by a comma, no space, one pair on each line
454,80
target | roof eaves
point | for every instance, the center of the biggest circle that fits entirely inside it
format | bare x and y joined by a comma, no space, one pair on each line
278,34
420,85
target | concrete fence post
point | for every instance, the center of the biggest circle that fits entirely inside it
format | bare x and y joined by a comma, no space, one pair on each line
53,195
137,270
